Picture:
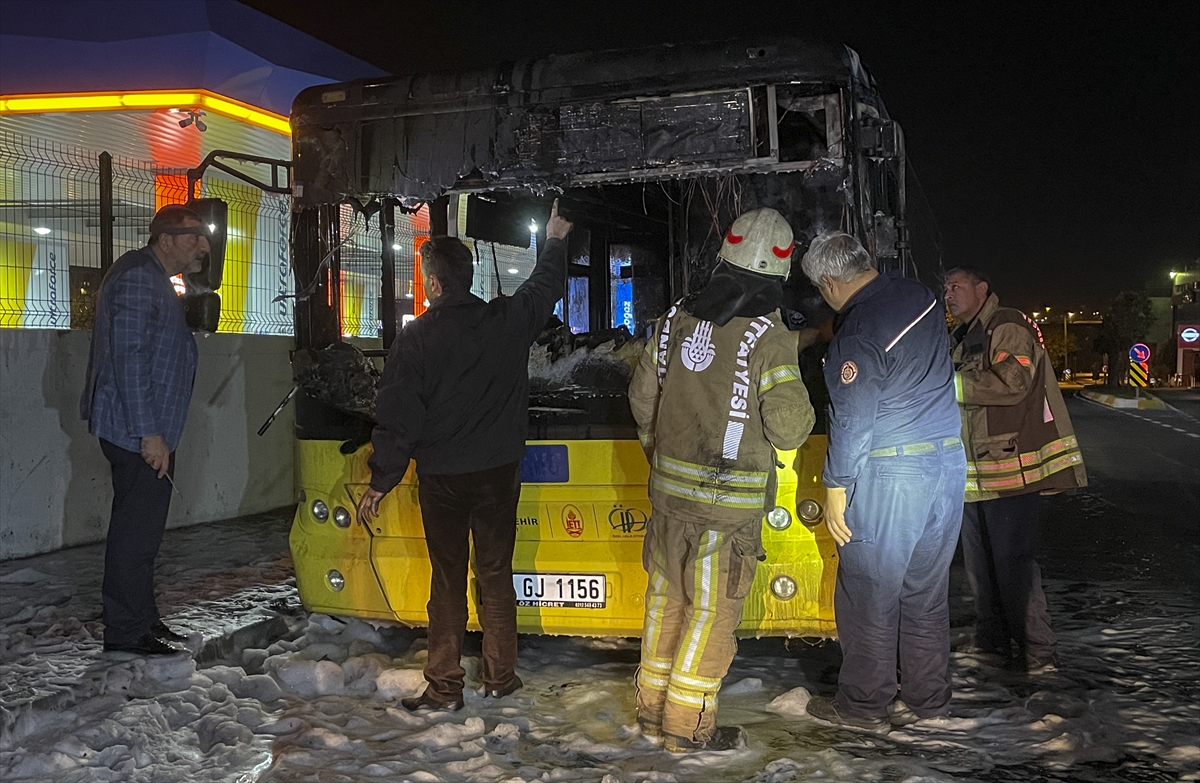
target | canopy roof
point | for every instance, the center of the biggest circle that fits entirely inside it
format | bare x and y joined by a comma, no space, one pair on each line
71,46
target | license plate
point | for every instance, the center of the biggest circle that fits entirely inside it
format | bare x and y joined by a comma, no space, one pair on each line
579,591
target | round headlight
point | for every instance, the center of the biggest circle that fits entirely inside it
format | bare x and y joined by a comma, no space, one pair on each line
783,587
779,518
336,580
809,510
341,517
320,511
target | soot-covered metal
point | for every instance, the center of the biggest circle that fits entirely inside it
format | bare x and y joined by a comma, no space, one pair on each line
554,122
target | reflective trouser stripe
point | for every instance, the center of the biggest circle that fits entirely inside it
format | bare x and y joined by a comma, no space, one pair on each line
704,604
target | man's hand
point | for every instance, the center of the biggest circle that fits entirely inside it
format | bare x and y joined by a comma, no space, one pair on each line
557,227
368,506
835,514
157,453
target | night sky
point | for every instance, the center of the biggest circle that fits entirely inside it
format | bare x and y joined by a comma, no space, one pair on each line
1058,145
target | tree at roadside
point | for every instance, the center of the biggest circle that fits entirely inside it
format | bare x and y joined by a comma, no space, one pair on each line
1127,322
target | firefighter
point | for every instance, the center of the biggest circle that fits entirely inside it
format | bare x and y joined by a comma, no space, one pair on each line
894,476
715,393
1020,445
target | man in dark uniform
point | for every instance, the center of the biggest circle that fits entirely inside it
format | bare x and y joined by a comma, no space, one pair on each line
454,396
894,478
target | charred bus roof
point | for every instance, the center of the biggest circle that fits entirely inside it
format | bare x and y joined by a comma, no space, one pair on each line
565,120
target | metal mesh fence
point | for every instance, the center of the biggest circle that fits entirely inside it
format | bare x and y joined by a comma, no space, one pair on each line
50,240
49,226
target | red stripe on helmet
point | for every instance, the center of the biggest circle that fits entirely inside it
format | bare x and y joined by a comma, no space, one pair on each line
783,252
732,237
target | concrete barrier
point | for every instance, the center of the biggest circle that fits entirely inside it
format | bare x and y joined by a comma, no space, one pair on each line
1146,402
55,484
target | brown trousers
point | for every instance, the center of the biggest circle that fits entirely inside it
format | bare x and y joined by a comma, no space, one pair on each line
456,510
698,580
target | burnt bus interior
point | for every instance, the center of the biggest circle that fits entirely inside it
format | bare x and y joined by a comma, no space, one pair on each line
650,169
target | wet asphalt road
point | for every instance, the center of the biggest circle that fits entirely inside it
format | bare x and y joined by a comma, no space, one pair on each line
1139,518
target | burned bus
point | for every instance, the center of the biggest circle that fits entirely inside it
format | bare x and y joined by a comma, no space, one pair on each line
652,152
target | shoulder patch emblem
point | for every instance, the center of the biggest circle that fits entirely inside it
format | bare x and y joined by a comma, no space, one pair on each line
849,372
697,351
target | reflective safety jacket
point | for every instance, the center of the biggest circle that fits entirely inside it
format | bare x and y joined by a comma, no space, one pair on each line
1016,429
712,404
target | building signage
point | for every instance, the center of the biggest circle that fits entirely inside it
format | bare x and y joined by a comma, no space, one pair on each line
1189,336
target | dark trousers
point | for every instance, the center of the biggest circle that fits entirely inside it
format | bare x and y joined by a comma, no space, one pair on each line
893,582
999,540
141,501
482,507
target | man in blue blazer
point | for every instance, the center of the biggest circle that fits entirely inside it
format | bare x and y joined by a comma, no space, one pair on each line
139,383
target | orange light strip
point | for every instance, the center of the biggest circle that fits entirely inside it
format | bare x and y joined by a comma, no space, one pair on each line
145,99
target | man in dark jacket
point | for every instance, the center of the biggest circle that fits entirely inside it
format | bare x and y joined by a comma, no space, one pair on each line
454,396
894,477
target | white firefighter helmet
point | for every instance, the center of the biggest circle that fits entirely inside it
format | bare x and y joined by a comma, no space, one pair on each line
760,241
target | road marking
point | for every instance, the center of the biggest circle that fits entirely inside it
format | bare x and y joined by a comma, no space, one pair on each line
1131,414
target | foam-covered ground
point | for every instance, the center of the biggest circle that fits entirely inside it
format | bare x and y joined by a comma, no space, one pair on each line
322,704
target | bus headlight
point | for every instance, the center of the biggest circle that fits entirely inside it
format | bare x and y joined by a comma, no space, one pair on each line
341,517
783,587
779,518
336,580
320,511
809,511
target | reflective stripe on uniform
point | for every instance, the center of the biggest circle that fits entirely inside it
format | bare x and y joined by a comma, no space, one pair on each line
704,604
777,375
685,698
654,663
741,478
1030,468
726,497
1051,449
656,607
648,680
915,448
696,682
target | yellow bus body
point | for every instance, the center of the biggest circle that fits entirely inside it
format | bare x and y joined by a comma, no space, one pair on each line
592,524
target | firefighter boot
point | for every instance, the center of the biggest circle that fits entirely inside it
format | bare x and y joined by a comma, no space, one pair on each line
724,738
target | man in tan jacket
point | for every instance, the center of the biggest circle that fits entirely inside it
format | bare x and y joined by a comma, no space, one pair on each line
716,392
1020,444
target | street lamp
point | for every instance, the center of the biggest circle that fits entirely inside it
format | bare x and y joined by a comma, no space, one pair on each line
1066,345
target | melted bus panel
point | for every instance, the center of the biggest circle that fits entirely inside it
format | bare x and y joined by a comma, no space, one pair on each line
651,153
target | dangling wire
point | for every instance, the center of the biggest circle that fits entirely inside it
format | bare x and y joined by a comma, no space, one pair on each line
302,296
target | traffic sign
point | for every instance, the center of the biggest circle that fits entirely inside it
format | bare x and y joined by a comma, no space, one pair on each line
1139,353
1139,374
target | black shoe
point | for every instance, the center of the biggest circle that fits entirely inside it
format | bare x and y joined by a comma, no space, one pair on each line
901,715
147,645
724,738
500,693
427,702
1033,664
827,710
164,632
